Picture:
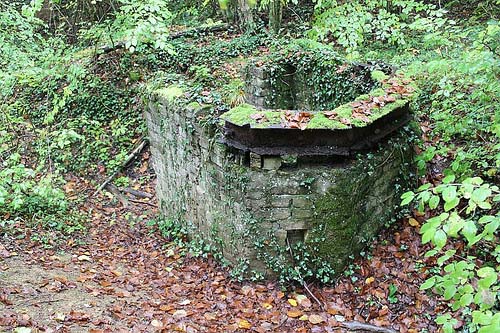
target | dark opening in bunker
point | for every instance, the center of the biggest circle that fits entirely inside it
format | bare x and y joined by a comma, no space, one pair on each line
296,236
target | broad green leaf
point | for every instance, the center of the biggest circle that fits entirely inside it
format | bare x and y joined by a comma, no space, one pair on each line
431,253
485,219
484,205
488,277
439,238
429,283
449,205
449,193
424,196
428,235
434,202
485,299
469,231
454,225
450,292
448,254
480,194
474,181
407,197
466,190
492,227
424,187
466,300
481,318
449,179
443,318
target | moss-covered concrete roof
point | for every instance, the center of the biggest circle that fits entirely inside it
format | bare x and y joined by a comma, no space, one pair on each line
363,111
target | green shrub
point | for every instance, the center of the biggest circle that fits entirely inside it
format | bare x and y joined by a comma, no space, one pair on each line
469,280
353,24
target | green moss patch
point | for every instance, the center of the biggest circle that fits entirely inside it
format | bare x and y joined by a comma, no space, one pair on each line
170,93
245,114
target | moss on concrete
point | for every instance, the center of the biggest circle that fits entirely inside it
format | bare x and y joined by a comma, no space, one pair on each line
170,93
242,114
350,213
379,76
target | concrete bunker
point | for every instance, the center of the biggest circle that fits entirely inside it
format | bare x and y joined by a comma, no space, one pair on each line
293,170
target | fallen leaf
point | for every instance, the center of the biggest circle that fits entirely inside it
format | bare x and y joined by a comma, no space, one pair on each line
413,222
294,313
22,330
116,273
370,280
84,258
292,302
382,312
180,314
59,316
246,290
345,121
209,316
315,319
267,306
258,117
244,324
156,323
330,114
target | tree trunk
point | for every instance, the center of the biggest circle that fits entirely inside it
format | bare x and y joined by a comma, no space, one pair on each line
275,15
245,14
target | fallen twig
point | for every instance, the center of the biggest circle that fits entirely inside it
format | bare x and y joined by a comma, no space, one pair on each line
136,193
357,326
129,158
143,202
113,189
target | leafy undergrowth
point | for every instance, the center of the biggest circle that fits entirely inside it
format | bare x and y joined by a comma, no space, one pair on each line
123,276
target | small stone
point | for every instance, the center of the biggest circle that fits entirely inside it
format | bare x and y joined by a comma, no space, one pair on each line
255,161
281,201
271,163
301,202
279,214
302,213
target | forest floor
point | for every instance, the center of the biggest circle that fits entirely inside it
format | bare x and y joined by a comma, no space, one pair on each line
123,276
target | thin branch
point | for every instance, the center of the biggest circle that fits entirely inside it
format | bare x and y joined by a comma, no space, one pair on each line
357,326
304,284
129,158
